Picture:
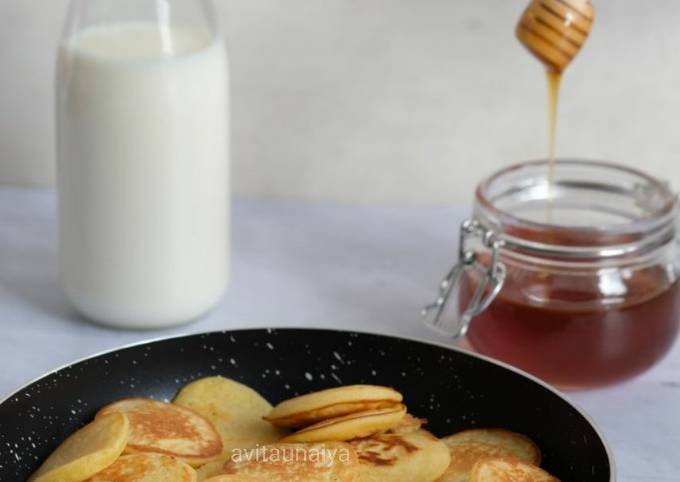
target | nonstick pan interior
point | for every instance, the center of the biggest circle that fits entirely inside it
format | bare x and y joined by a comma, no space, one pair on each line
452,389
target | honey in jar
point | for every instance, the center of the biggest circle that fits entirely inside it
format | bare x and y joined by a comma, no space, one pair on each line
587,298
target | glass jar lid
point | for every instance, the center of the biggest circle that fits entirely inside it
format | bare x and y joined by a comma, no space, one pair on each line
585,209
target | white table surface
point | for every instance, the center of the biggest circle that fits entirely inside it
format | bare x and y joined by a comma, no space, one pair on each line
306,264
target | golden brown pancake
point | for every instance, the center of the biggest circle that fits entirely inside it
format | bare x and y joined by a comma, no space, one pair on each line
470,446
409,424
236,478
508,470
348,427
326,462
411,457
88,451
211,469
168,429
146,468
314,407
234,409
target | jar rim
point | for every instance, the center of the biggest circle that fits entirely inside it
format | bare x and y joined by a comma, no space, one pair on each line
656,227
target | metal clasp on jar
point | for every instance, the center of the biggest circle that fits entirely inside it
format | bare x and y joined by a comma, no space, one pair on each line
447,314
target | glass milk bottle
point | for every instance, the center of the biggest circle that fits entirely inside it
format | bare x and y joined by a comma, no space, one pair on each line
143,161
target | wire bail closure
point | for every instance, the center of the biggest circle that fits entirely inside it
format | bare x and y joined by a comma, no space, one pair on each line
455,324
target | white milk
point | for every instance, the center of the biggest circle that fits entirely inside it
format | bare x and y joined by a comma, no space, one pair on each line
143,173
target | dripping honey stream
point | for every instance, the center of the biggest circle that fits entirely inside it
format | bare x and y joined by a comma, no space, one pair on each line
554,78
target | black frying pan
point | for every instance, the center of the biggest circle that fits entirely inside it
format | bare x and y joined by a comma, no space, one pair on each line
452,389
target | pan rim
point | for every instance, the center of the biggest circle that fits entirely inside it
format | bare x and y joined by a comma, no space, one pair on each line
544,385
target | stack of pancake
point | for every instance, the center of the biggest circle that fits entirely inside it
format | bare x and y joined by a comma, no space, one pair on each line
218,430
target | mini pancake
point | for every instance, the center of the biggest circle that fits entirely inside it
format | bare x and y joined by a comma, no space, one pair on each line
234,409
314,407
168,429
409,424
348,427
235,478
508,470
146,468
469,446
211,469
326,462
88,451
411,457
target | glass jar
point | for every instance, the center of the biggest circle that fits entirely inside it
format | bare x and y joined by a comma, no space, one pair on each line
143,161
574,281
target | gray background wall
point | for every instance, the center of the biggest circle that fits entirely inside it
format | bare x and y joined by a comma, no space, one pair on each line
388,100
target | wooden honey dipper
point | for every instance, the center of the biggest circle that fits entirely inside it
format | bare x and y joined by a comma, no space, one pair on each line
555,30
